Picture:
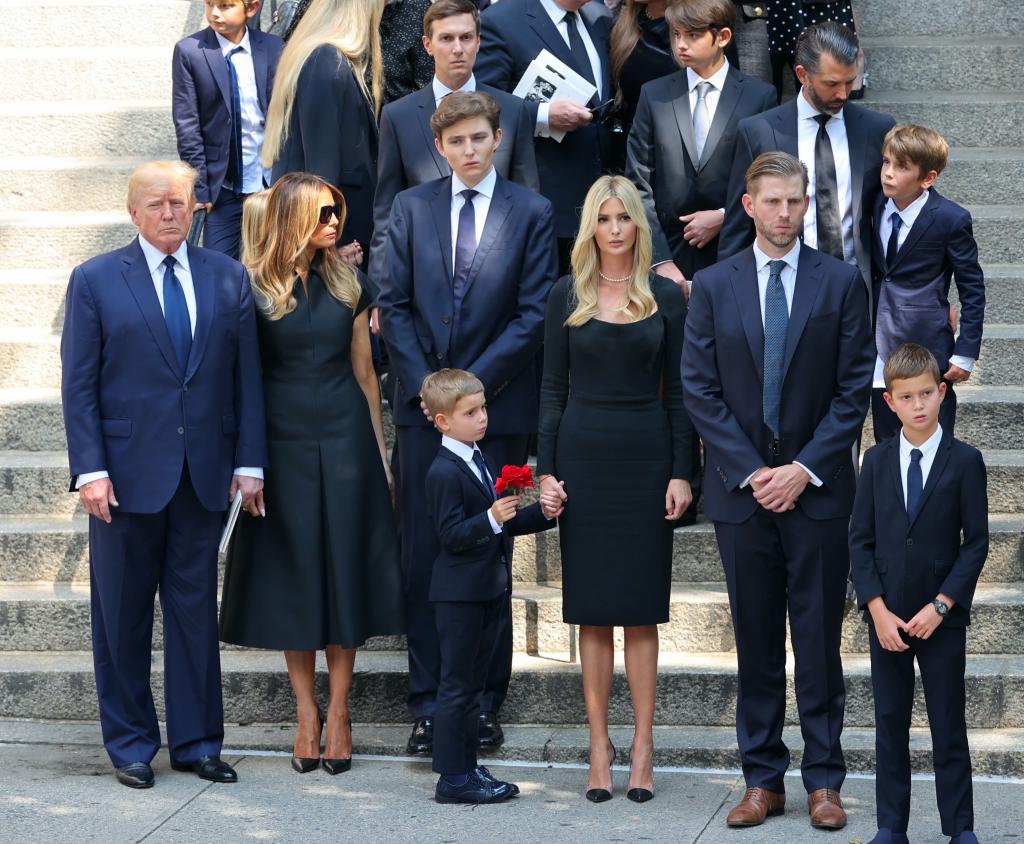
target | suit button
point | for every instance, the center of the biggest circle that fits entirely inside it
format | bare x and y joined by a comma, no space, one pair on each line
185,388
504,560
181,430
444,319
440,356
910,542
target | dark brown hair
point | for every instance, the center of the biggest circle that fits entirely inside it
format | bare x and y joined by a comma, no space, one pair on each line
909,361
702,15
441,9
462,105
918,145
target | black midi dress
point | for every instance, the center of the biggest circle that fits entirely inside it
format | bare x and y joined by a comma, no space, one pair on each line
323,567
613,427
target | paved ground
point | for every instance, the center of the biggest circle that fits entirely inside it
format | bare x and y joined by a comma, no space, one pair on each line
56,785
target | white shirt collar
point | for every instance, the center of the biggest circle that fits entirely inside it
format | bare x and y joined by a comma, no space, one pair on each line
555,12
806,111
441,90
485,186
928,447
792,257
717,79
154,257
459,448
909,214
226,46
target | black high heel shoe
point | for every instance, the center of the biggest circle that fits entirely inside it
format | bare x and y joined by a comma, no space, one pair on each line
302,765
637,795
602,795
339,766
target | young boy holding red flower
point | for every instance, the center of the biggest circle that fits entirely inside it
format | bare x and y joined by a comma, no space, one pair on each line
472,575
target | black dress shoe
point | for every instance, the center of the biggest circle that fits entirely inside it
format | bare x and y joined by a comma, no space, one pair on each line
305,764
483,773
639,795
135,775
477,789
489,732
421,742
211,768
602,795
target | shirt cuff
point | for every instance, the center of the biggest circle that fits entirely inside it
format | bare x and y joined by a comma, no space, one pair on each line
814,478
750,477
494,522
541,129
966,364
89,477
249,472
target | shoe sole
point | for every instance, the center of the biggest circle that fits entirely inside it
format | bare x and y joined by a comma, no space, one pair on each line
439,799
137,784
744,824
830,826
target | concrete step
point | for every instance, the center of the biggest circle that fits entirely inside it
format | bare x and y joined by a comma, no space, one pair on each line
88,22
990,417
33,239
693,690
31,419
983,61
29,359
33,183
938,17
989,176
94,128
997,228
1004,294
86,72
33,299
979,118
1002,355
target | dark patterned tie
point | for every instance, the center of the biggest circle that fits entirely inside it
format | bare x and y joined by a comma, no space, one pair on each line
776,321
579,49
465,248
894,239
481,465
915,483
826,193
234,173
176,313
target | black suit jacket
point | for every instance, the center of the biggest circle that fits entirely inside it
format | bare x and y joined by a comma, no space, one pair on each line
201,101
776,130
475,563
909,562
512,34
408,157
826,381
661,158
912,297
333,133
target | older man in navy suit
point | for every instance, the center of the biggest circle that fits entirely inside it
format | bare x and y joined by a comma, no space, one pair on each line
776,371
163,408
471,259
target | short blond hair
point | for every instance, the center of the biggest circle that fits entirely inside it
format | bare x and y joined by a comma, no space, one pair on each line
925,148
441,390
152,172
909,361
778,165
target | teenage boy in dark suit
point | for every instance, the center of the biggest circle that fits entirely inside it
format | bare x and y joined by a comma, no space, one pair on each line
915,578
471,578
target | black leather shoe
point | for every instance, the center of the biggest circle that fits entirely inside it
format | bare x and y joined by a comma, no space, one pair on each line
211,768
135,775
489,732
476,789
483,773
602,795
421,742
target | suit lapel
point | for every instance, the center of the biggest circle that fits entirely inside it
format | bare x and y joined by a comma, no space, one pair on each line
501,205
589,17
424,111
748,301
805,293
938,465
895,472
544,27
203,285
857,146
921,225
878,248
259,64
785,129
441,206
684,117
140,283
727,102
469,473
218,67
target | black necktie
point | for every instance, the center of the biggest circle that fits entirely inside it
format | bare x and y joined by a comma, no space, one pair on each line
915,482
465,248
485,476
234,173
894,239
826,193
176,313
579,51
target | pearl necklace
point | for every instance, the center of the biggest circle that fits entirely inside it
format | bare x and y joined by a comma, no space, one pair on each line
615,280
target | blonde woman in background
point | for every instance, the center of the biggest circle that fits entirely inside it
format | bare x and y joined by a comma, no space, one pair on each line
253,215
615,438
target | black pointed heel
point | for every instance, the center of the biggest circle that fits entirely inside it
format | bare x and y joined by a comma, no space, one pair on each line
638,795
602,795
339,766
303,765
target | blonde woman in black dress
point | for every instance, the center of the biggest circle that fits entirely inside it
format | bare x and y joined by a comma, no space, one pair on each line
614,437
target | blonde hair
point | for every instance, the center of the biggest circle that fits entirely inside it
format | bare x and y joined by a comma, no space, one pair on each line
638,302
151,173
290,220
775,165
925,148
254,214
441,390
352,27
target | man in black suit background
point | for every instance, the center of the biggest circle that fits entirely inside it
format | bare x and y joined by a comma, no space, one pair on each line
839,143
513,33
787,324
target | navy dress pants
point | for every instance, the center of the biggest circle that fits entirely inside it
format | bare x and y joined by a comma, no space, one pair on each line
224,224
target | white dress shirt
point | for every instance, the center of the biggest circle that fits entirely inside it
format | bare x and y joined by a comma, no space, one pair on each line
807,132
481,205
441,90
557,15
254,176
927,448
908,216
717,80
466,452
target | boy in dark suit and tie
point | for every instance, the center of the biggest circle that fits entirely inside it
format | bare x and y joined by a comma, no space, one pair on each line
222,79
922,240
471,578
915,578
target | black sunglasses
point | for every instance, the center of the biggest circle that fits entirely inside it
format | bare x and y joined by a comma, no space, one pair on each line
328,211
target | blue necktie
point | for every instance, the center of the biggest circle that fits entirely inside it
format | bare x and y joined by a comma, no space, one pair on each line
485,476
465,248
235,157
915,483
176,313
776,321
894,239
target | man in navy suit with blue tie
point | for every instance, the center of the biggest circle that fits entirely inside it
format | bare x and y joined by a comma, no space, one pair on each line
470,259
163,408
776,375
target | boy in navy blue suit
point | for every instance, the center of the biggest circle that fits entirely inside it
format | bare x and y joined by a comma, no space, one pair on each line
222,78
921,241
471,578
915,579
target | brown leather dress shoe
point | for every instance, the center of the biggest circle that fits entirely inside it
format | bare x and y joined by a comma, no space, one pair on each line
756,805
826,809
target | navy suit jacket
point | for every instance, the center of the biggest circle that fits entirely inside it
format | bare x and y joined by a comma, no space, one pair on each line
912,296
662,160
130,410
408,157
502,316
512,34
776,130
909,562
826,381
201,101
475,563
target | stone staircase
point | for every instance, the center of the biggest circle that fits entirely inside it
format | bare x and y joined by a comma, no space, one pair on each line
75,118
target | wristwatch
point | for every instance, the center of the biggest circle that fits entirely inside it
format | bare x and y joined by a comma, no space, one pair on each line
940,607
